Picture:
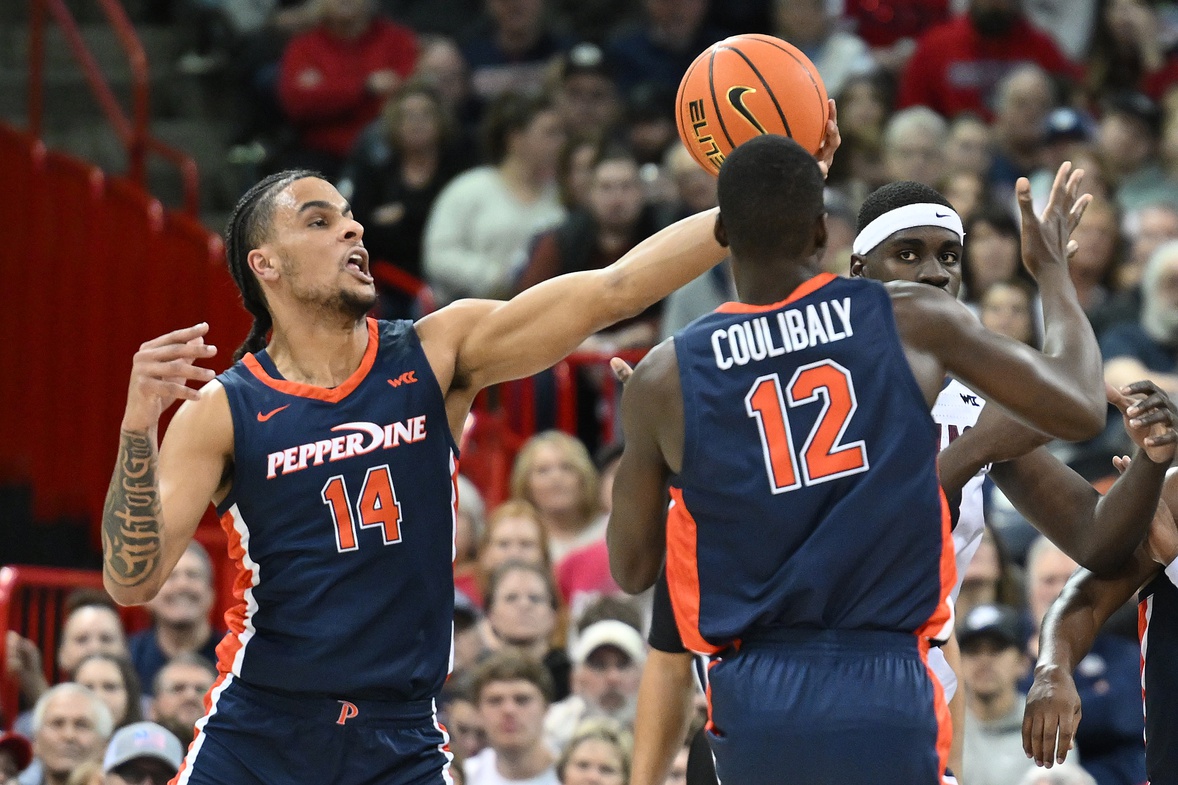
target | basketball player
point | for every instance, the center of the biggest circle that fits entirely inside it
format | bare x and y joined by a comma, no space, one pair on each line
330,454
1101,539
817,595
924,254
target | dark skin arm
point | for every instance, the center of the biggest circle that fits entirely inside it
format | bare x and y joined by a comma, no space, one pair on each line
1059,390
652,422
1073,621
1100,533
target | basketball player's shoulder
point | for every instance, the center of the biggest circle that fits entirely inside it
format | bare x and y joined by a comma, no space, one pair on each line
659,367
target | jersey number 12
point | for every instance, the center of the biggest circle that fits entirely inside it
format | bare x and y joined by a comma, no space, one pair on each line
377,506
823,455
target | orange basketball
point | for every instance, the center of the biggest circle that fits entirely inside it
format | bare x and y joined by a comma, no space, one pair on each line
745,86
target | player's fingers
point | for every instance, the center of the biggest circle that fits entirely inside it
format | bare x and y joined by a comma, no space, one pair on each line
175,350
1067,732
1116,397
1037,736
622,370
1152,402
1022,189
176,369
1047,733
1057,187
1073,186
165,389
1028,723
1143,387
1073,247
1152,418
178,336
1078,209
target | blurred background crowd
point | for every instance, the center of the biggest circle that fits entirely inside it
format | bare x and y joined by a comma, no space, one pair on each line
487,145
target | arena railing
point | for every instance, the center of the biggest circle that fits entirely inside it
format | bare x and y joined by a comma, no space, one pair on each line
32,603
133,131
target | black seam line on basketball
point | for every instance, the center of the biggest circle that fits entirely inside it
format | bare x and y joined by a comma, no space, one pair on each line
768,90
807,70
715,103
679,119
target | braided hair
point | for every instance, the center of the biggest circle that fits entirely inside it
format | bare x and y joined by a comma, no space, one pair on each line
249,224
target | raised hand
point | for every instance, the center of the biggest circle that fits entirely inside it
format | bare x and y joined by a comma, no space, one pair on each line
160,373
830,141
1046,238
1053,707
1149,417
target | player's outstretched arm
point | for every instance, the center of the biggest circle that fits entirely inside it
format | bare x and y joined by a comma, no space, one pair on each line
1099,532
493,342
1059,391
157,495
1068,632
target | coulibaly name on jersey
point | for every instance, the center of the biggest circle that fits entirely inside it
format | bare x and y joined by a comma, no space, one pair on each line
786,331
365,437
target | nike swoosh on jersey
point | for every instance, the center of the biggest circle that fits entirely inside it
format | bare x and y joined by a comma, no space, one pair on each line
268,415
736,99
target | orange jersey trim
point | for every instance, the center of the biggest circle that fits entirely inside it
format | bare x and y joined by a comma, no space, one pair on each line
330,395
683,574
806,289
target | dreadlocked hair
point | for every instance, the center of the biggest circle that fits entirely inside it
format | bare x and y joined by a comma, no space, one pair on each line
249,224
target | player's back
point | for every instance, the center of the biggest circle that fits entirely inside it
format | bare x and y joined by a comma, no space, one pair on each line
808,496
341,520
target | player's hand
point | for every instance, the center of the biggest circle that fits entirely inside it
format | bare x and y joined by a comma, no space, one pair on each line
1149,417
1004,437
830,141
1053,707
621,368
1046,238
160,373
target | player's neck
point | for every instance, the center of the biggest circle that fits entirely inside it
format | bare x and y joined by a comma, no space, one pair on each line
310,352
764,283
176,639
523,764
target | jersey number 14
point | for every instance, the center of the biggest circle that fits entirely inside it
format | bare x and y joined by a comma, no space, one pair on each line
823,455
377,506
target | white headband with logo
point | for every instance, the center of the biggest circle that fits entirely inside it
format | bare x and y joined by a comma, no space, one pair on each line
907,217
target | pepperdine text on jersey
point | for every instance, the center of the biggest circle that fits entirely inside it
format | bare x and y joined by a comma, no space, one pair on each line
316,453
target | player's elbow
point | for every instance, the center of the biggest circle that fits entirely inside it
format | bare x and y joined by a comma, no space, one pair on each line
128,595
631,572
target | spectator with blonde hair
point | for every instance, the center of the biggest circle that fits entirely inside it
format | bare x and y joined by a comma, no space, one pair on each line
597,754
554,472
513,533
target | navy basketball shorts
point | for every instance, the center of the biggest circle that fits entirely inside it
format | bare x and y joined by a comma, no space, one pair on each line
255,736
827,707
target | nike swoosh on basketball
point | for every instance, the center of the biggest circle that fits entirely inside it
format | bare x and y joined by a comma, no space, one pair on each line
736,98
268,415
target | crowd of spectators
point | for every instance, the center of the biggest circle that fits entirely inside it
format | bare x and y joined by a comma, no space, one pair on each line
489,146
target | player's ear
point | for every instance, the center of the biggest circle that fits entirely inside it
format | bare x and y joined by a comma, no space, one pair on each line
821,235
262,264
720,232
858,263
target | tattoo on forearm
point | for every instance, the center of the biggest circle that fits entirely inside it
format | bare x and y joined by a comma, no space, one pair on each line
131,516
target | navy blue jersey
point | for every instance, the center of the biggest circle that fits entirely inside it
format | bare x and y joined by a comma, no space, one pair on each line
808,495
341,521
1157,626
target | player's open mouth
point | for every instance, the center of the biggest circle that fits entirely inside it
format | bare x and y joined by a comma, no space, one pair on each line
357,264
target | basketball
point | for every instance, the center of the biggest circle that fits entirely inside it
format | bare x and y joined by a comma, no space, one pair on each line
745,86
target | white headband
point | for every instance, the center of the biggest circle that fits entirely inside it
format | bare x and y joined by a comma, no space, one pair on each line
907,217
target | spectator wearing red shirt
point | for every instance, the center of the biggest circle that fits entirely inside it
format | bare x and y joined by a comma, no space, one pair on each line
958,64
335,77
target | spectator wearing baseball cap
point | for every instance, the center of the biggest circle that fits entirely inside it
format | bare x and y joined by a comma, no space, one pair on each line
15,755
992,663
142,752
607,665
586,95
